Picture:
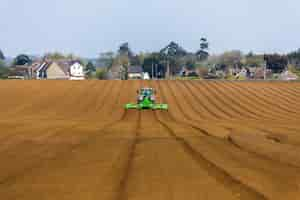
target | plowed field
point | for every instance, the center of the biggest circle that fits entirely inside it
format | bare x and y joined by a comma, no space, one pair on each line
63,140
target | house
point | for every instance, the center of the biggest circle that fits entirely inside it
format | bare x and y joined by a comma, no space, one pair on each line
220,73
288,76
146,76
233,71
252,72
116,72
244,72
76,71
60,70
188,72
135,72
18,72
52,70
261,73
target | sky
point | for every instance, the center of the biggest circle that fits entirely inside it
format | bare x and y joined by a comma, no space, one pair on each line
88,27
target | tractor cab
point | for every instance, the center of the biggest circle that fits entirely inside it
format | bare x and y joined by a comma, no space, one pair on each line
146,93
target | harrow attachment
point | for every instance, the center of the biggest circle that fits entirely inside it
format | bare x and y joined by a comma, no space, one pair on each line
145,107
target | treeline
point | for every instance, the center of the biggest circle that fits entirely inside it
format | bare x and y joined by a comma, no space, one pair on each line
168,61
4,70
171,59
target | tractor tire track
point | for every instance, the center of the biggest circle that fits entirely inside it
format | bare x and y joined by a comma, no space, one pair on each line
214,171
260,195
107,152
84,142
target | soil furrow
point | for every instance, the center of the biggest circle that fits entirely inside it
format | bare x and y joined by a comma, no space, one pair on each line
217,173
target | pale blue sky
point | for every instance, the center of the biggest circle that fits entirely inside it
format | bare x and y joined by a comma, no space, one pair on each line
87,27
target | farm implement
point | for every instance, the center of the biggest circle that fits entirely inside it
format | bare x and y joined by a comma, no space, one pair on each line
146,100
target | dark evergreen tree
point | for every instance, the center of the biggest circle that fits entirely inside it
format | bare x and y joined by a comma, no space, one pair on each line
203,52
2,57
22,60
277,63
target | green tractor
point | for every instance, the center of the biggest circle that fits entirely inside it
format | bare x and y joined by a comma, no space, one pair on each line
146,100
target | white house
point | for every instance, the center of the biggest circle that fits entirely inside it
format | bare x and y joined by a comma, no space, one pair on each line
146,76
288,76
76,71
243,73
135,72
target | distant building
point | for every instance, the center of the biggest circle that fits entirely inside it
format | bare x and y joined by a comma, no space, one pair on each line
116,72
19,72
252,72
135,72
188,72
52,70
261,73
288,76
243,72
59,70
76,71
146,76
220,73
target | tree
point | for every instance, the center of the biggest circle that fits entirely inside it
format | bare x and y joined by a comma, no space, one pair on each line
100,74
105,59
71,56
203,72
4,70
171,55
294,59
2,57
90,69
153,66
231,59
22,60
141,58
253,60
2,63
123,60
124,50
277,63
136,60
250,54
60,56
54,56
189,61
203,52
173,50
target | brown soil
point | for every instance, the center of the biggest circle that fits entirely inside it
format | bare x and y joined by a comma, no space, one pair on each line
219,140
